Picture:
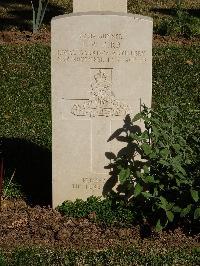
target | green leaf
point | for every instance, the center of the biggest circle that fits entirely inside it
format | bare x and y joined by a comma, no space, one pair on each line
164,153
188,161
170,216
197,213
161,187
155,131
195,195
180,168
163,162
147,195
185,211
135,136
124,175
178,182
138,190
159,227
176,147
170,206
146,148
164,202
155,194
146,169
43,12
33,15
145,135
39,11
137,117
176,209
177,166
150,179
153,155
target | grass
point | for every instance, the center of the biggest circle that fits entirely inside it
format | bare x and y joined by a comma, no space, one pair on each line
25,109
120,256
176,76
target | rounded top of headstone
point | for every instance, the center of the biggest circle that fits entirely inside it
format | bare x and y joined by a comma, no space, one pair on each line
99,5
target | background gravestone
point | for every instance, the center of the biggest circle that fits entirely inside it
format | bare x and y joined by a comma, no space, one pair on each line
101,72
100,5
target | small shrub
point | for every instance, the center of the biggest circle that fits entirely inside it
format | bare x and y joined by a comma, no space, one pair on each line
164,186
38,14
109,211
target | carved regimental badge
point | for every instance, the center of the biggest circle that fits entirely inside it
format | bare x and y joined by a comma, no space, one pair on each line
102,101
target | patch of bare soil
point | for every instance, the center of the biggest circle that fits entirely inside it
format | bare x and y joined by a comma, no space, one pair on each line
22,225
25,37
166,40
44,37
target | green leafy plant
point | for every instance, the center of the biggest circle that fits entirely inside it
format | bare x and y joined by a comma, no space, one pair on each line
109,211
161,184
38,14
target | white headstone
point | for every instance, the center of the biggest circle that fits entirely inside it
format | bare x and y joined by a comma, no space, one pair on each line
99,5
101,71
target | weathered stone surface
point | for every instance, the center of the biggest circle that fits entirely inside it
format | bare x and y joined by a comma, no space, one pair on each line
99,5
101,71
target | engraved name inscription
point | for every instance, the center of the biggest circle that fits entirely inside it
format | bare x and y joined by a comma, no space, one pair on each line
102,101
101,48
90,184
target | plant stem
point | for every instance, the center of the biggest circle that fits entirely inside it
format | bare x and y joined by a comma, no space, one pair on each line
9,183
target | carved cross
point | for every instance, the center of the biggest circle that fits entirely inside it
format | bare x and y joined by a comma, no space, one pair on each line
101,109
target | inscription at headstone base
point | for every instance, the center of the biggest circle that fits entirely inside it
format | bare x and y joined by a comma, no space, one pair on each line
101,72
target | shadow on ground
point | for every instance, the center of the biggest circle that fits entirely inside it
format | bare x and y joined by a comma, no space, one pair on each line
172,11
19,14
33,169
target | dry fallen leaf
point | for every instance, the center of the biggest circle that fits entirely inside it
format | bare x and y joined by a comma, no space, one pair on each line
189,62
